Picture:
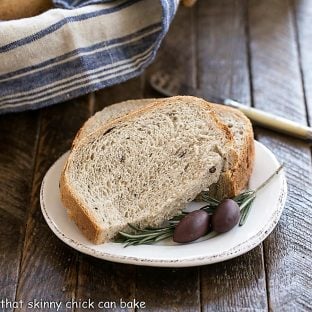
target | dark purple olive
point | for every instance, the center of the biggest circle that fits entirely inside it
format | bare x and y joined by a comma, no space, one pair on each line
226,216
191,227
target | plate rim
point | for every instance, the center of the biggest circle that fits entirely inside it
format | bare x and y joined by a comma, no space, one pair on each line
236,251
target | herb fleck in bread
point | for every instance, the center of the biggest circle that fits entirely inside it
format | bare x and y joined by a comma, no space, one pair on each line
144,168
230,183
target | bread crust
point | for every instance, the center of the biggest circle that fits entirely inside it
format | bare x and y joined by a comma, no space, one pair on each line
236,179
75,207
76,211
16,9
84,130
189,3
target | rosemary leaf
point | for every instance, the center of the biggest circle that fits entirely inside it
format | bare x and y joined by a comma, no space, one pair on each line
147,230
133,227
209,209
247,201
206,198
131,243
164,236
211,235
245,213
148,239
127,235
242,197
179,216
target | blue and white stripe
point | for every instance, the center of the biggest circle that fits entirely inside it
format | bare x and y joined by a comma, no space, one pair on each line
65,53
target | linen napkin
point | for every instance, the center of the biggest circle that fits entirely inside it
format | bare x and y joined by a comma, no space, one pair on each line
79,47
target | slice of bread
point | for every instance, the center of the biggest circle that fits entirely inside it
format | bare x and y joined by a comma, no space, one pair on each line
232,182
16,9
189,3
144,168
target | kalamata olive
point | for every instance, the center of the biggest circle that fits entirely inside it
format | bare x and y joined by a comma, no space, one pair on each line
192,226
226,216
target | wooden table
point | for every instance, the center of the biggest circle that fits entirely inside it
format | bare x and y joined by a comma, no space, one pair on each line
259,52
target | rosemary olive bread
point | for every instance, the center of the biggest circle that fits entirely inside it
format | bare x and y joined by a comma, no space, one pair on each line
189,3
16,9
144,168
230,183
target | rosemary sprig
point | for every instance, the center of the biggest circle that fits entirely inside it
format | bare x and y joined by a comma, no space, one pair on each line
143,236
153,235
246,204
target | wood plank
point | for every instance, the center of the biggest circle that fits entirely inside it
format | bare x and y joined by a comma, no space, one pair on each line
108,282
277,88
165,289
98,279
276,65
222,55
303,15
48,266
303,18
238,284
177,53
129,90
18,140
168,289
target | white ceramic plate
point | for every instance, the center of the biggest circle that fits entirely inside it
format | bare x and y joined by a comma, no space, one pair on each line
264,215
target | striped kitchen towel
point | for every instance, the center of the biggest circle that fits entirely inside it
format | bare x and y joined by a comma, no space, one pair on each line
79,47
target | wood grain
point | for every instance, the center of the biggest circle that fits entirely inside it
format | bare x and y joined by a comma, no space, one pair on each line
274,58
129,90
239,284
168,289
18,140
222,57
303,17
177,55
277,88
48,266
104,281
165,289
